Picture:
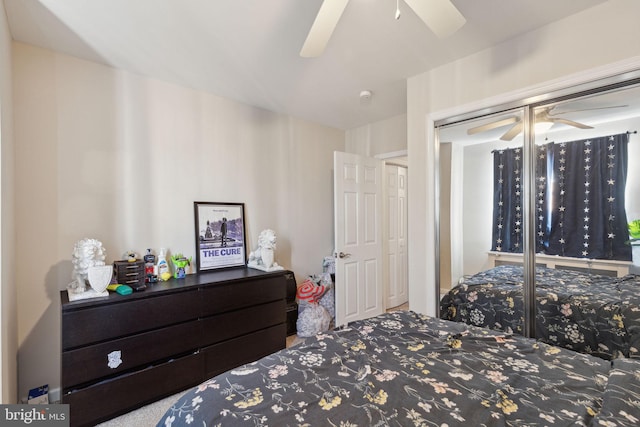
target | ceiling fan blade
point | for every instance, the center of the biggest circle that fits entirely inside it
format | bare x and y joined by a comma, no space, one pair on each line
513,132
441,16
492,125
551,114
570,123
322,28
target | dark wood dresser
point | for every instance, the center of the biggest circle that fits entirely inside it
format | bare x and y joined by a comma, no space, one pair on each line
122,352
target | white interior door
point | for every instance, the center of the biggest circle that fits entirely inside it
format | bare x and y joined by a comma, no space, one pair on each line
358,237
396,268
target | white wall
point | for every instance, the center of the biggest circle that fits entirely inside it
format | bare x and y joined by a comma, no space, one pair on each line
382,137
8,309
115,156
477,205
557,55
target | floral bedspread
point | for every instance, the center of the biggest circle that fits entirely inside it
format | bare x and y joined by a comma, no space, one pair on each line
594,314
404,369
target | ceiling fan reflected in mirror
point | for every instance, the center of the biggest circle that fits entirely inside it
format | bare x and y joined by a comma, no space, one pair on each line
441,16
545,115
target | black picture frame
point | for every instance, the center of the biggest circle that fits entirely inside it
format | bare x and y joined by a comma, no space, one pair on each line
220,235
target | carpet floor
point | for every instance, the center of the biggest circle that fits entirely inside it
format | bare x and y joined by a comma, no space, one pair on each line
147,416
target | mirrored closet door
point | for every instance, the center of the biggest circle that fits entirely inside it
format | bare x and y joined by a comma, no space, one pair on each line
469,193
536,206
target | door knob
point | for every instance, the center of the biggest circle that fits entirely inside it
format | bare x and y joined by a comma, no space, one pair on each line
343,255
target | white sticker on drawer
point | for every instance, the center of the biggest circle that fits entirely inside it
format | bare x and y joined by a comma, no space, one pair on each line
114,359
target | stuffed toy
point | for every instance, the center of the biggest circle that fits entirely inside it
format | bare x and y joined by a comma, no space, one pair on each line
313,318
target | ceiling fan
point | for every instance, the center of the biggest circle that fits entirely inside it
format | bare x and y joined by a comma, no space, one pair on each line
545,115
441,16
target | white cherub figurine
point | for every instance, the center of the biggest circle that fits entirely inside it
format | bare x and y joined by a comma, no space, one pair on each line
87,253
263,257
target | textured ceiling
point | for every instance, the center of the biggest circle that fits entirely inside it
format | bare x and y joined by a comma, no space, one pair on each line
247,50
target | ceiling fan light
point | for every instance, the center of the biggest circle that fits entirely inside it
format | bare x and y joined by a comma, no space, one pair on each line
542,127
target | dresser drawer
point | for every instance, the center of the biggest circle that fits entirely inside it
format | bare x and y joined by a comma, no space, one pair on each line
99,323
231,296
111,358
111,398
235,323
248,348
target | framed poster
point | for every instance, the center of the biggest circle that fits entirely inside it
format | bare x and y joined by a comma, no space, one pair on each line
220,241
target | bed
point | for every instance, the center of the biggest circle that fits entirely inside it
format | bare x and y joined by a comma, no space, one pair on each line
402,368
588,313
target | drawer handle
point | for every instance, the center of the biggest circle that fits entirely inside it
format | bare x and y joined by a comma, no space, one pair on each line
114,359
132,274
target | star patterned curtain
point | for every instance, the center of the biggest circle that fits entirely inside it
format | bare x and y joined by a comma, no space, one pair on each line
542,207
580,188
507,200
588,216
